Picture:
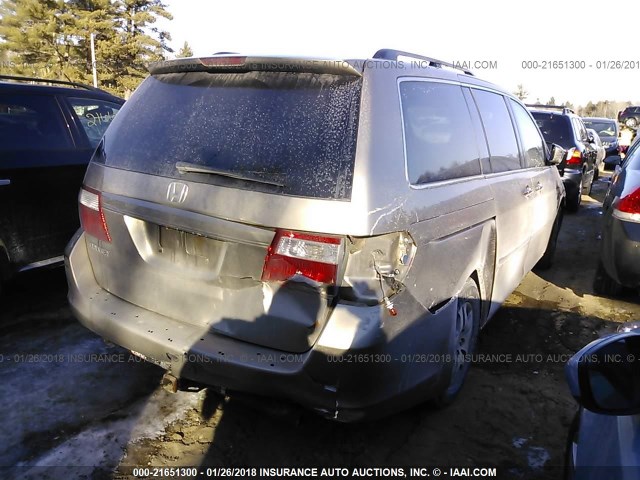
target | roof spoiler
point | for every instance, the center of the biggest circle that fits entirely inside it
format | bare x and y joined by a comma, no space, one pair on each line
238,63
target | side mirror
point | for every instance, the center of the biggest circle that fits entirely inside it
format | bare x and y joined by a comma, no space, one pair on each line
556,154
604,377
591,138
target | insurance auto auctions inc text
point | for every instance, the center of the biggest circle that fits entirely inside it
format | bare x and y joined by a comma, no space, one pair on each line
366,472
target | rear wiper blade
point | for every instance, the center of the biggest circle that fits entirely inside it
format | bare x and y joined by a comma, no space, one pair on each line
184,167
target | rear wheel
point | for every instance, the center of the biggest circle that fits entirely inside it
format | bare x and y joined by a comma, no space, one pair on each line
575,198
464,341
603,284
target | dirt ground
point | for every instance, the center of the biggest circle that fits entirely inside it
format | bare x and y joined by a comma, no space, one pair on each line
512,414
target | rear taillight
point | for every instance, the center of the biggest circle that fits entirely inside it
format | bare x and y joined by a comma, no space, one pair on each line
574,157
630,203
91,214
313,256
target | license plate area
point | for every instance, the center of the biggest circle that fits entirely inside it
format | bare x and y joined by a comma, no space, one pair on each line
190,249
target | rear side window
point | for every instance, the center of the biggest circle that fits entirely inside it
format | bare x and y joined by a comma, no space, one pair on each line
555,129
439,138
31,122
94,116
281,132
581,132
603,128
503,146
532,143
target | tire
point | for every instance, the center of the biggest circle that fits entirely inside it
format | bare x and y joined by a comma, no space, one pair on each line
631,122
573,202
546,262
603,284
596,175
463,344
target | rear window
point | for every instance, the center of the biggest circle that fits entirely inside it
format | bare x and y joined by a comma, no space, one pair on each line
277,132
555,129
602,128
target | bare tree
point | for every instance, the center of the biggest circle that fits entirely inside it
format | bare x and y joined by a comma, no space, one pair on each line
521,93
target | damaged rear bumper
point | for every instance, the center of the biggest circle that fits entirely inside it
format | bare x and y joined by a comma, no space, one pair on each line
363,364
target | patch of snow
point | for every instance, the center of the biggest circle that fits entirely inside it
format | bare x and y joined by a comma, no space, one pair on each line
102,445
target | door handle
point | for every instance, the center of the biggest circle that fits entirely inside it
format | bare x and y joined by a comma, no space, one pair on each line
5,181
539,187
527,191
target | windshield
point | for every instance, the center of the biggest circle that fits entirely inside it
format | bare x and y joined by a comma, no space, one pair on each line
555,129
602,128
277,132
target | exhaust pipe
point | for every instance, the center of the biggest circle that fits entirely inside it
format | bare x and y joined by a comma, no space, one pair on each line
169,383
172,384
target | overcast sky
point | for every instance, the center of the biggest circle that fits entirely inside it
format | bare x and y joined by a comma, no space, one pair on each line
506,33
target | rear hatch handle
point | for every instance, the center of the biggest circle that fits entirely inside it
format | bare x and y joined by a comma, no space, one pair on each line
5,181
184,167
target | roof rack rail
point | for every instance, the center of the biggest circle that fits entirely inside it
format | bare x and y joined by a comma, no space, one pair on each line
48,80
564,109
390,54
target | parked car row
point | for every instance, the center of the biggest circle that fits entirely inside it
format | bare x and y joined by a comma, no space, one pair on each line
560,125
305,229
604,376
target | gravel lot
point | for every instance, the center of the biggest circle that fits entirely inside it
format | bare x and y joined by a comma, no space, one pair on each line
71,401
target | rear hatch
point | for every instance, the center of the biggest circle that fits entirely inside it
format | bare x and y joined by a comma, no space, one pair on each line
200,127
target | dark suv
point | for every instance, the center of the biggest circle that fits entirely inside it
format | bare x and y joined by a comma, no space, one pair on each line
629,117
48,132
561,126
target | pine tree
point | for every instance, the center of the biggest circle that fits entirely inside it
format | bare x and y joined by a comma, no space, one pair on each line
185,51
135,48
51,39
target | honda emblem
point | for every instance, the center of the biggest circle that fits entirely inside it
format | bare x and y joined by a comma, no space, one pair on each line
177,192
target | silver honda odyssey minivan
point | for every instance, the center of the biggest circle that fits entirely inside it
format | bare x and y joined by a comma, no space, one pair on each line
333,233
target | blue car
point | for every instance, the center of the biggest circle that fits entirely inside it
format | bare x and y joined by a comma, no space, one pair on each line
604,439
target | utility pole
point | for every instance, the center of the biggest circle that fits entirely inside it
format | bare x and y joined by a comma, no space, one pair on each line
93,61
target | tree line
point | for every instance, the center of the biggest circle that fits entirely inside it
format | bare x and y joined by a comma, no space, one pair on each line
602,108
52,39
